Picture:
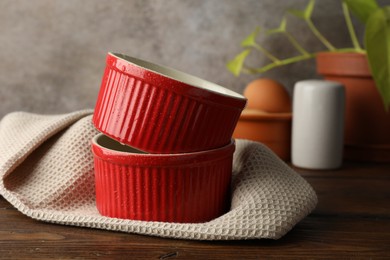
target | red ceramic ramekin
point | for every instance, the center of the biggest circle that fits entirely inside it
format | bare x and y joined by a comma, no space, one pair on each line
161,110
183,188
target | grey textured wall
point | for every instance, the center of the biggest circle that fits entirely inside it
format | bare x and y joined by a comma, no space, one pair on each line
52,52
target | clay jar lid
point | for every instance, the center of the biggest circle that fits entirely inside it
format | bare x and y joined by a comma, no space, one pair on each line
259,115
267,95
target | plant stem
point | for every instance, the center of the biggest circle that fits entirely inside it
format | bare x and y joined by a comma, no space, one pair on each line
280,63
351,30
319,35
266,53
296,44
294,59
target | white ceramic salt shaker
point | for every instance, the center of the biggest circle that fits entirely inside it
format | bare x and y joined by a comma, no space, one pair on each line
318,124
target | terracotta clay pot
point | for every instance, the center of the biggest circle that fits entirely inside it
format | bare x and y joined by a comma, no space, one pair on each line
271,129
367,125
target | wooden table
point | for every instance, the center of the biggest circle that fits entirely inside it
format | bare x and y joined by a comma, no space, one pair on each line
351,221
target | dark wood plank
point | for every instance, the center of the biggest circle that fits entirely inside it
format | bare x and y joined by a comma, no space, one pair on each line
356,189
350,170
328,236
352,221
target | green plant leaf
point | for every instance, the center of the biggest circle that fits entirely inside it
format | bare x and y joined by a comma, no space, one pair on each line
236,64
377,41
250,40
362,9
306,13
281,29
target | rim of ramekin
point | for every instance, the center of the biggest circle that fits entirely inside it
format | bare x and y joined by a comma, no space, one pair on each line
154,159
182,82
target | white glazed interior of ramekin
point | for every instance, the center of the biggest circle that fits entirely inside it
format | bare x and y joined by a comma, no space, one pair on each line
111,144
105,142
179,76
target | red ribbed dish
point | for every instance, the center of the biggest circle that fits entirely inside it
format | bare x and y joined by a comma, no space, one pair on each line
183,188
161,110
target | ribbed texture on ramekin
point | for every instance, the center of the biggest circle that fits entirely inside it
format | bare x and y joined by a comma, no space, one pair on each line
185,194
157,120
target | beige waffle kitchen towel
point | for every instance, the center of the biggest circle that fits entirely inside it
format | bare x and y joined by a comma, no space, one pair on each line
46,172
